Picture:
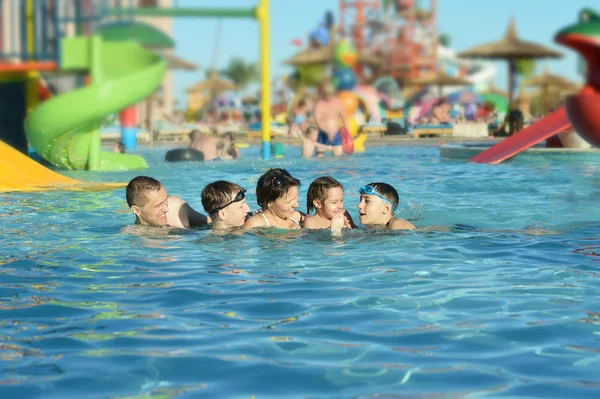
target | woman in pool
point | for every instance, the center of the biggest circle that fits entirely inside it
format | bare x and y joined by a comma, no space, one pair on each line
378,202
227,149
277,196
326,197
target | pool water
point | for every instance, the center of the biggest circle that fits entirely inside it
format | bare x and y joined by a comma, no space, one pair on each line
507,308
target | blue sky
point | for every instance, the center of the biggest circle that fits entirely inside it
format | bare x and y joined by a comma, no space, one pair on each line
468,22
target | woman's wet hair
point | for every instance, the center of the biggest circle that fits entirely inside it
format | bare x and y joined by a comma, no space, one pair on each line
274,184
230,135
387,191
318,190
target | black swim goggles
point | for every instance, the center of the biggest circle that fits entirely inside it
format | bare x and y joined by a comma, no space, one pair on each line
239,197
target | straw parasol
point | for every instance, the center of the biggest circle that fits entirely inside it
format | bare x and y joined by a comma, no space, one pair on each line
213,84
547,82
510,48
174,62
439,79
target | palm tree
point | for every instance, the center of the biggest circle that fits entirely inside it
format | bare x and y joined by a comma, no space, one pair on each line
444,39
240,72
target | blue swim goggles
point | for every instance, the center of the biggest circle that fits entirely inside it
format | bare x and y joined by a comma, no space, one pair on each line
370,190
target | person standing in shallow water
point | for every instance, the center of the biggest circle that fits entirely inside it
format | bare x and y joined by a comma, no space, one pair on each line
277,196
328,112
148,200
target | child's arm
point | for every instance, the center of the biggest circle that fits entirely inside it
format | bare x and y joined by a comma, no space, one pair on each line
323,147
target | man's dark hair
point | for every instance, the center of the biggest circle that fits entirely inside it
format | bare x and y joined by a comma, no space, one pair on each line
137,188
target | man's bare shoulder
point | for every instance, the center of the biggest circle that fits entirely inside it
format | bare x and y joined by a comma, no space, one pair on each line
401,224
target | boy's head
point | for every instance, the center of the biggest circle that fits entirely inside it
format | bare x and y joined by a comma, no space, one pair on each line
312,133
225,203
195,135
378,202
326,196
119,147
147,199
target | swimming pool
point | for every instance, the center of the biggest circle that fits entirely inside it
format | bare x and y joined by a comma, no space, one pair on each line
512,309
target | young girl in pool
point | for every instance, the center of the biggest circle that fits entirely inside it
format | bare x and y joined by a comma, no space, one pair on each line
326,197
378,202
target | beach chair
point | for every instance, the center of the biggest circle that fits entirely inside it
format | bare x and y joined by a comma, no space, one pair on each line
438,130
373,129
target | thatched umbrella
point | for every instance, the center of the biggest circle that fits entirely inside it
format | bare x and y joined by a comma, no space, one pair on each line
546,82
439,79
174,62
213,84
510,48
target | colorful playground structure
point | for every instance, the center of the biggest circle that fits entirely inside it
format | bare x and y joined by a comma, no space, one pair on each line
77,37
402,32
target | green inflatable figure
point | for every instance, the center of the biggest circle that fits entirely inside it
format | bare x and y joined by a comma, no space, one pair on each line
345,54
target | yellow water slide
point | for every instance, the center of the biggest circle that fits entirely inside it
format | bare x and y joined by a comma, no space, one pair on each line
18,172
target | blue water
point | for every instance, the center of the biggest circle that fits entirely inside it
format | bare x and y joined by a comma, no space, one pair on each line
90,309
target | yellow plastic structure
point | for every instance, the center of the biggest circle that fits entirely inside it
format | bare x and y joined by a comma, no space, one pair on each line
19,173
359,143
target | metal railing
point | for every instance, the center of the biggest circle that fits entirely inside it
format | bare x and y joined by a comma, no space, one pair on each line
31,30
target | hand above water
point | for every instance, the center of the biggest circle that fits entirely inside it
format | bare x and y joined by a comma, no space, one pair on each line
336,224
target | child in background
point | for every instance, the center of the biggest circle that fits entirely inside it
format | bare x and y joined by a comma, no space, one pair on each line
326,196
299,118
119,148
309,142
378,202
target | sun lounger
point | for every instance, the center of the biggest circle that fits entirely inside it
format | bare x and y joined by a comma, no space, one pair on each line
373,129
440,130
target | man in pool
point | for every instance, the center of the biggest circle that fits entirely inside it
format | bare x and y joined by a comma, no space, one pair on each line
225,203
148,200
328,112
206,143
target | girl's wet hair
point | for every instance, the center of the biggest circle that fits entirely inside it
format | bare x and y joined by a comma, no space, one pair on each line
274,184
387,191
318,190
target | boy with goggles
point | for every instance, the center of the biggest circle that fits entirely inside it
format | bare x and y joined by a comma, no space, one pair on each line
225,203
378,202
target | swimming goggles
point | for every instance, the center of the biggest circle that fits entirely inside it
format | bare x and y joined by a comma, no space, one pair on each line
239,197
370,190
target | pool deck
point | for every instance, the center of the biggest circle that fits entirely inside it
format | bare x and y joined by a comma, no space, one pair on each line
373,140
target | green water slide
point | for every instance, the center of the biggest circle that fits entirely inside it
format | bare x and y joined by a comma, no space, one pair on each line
65,130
